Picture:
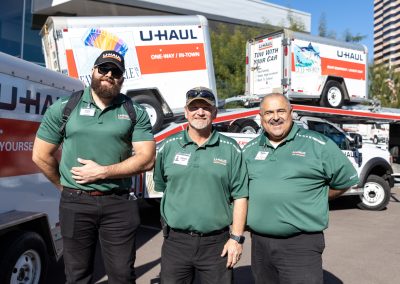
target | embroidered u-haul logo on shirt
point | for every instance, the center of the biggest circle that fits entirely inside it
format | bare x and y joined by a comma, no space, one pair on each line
220,161
123,116
299,153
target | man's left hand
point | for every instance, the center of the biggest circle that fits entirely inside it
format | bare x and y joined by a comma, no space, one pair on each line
234,251
89,172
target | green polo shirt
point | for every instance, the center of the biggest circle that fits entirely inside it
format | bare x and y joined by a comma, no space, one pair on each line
199,183
104,136
289,185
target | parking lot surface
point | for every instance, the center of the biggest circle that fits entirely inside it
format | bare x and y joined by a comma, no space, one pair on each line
361,247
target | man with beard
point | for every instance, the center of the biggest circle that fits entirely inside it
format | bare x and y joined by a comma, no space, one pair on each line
202,175
94,174
292,174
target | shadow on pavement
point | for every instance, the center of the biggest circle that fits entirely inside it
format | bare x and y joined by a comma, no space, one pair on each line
329,278
242,275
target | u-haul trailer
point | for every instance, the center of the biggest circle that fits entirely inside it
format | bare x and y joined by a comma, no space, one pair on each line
306,67
372,163
165,56
29,224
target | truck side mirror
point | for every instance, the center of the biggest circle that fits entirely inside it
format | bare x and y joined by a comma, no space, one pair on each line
357,140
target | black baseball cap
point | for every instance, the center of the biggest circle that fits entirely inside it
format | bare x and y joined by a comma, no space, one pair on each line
111,56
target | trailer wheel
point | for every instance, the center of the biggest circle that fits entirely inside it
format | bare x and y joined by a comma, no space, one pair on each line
244,126
333,95
25,260
376,194
153,109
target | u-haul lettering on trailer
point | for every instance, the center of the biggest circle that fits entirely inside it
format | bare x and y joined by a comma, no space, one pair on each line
17,98
167,35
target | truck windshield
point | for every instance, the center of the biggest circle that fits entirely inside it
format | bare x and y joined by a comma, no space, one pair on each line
330,131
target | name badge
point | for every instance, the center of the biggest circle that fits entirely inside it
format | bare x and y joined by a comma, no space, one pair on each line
87,111
261,155
182,159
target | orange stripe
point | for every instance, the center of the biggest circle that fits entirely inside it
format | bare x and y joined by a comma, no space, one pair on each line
16,147
171,58
343,69
293,64
72,70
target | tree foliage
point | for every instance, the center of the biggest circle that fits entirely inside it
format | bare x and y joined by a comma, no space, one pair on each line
384,85
228,45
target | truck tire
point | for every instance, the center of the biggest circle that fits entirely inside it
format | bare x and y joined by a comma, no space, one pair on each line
153,109
376,194
24,260
244,126
333,95
375,140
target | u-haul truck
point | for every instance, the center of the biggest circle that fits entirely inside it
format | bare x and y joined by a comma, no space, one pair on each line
29,224
165,56
306,67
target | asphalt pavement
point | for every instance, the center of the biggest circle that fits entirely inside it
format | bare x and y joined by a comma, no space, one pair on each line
361,247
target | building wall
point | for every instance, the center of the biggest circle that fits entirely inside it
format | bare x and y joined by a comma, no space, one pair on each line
387,32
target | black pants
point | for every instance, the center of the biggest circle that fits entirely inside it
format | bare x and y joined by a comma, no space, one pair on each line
111,219
183,255
296,259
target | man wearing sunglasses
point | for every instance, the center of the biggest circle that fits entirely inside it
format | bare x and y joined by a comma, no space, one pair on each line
202,176
94,174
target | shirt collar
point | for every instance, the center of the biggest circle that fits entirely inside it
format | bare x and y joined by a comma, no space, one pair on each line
212,140
292,133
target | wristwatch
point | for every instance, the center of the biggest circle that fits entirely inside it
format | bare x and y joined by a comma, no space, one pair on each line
239,239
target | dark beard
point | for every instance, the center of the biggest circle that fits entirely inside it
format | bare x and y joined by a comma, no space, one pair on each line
104,91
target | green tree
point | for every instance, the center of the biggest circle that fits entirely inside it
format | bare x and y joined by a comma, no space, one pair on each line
322,29
384,85
295,24
350,37
228,45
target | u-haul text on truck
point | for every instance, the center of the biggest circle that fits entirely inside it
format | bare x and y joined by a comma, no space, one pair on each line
307,67
29,226
165,56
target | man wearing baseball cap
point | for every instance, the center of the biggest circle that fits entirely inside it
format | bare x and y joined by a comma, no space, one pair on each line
94,174
202,176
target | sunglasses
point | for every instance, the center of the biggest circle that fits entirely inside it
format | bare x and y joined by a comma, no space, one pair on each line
191,94
115,72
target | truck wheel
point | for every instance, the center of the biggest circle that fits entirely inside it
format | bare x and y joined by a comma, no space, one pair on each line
376,194
333,95
153,109
375,140
244,126
25,260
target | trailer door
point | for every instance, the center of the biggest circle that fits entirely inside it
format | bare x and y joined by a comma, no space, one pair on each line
265,65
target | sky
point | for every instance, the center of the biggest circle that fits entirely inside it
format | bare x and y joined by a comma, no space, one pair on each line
355,15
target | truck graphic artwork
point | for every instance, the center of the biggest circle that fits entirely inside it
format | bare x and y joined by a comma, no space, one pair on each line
307,56
165,56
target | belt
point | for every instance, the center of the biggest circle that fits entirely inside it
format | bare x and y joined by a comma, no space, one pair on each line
116,191
285,237
200,234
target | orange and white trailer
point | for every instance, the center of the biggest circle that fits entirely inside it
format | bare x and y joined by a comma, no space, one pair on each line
29,224
165,56
307,67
